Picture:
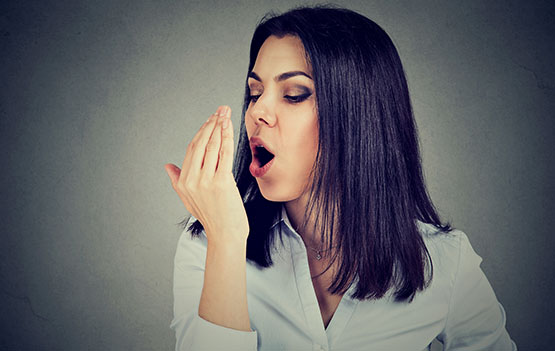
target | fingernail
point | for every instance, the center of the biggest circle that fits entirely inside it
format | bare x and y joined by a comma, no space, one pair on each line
225,123
223,111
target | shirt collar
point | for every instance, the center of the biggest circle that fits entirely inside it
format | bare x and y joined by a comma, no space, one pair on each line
278,218
283,217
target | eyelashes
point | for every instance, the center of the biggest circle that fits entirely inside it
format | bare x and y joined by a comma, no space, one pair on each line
294,99
298,98
253,98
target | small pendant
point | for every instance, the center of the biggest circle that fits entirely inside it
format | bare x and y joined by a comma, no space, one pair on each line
318,256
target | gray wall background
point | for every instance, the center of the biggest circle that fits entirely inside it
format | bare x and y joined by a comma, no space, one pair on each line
97,96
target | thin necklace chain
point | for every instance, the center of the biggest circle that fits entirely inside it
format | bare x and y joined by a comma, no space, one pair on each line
319,252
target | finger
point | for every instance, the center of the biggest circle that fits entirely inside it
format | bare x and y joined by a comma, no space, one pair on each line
173,172
225,163
195,150
204,131
211,121
213,149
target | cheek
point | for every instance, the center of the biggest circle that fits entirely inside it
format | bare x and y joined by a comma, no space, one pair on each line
306,145
311,135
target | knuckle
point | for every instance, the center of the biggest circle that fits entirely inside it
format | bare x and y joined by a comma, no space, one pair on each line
188,186
223,179
219,184
205,183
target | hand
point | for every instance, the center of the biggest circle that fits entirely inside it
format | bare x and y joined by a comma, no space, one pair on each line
206,184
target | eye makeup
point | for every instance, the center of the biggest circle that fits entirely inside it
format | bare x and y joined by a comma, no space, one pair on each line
294,99
297,95
298,98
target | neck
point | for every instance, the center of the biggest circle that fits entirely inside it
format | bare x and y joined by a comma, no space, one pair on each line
295,212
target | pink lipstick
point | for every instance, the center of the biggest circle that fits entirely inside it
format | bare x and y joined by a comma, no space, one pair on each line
257,170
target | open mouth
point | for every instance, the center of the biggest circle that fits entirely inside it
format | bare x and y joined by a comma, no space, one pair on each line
262,155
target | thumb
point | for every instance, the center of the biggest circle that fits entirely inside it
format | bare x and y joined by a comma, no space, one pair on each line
173,172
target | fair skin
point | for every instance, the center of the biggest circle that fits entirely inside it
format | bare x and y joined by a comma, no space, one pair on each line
282,113
207,188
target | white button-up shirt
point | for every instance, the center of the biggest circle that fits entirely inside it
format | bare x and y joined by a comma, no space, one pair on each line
459,307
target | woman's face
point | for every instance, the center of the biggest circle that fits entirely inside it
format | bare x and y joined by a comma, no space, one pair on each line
282,112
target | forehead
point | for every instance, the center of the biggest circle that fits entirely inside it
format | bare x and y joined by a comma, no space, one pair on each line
280,55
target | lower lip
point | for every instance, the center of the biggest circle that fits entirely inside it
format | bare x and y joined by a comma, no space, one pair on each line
257,171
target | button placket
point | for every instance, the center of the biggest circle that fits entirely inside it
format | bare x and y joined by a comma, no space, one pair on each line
307,294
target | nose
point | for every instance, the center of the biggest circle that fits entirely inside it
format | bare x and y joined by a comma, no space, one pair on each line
261,114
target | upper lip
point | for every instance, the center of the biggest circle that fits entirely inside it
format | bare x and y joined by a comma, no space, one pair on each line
257,141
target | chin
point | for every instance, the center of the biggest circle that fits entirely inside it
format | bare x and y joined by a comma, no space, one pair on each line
274,193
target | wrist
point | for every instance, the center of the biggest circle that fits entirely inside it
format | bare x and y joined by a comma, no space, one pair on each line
234,245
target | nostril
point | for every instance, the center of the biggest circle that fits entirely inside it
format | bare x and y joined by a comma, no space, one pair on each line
266,120
262,116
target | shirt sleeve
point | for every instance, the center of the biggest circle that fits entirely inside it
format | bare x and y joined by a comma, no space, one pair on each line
476,320
192,332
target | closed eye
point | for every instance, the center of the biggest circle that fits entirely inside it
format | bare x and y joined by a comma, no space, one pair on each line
298,98
253,98
295,99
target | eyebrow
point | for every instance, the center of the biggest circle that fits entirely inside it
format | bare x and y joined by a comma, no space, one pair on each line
280,77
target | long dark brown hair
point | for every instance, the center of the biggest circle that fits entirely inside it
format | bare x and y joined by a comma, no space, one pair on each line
367,172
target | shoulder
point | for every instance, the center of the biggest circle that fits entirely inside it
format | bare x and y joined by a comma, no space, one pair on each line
475,317
450,252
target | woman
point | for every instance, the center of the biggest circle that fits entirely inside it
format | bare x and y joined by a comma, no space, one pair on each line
327,161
